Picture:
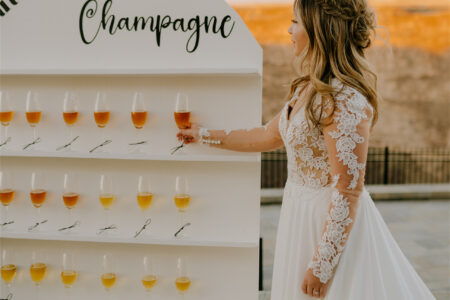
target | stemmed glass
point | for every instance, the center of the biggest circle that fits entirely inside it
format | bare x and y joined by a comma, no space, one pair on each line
9,268
182,115
182,282
6,196
101,115
149,277
68,273
108,273
38,269
144,199
70,197
38,194
106,198
33,114
70,115
139,117
6,114
182,199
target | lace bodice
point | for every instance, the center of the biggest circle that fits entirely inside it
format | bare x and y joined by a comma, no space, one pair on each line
332,155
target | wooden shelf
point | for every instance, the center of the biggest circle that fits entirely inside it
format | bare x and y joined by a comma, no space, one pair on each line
134,156
134,72
116,238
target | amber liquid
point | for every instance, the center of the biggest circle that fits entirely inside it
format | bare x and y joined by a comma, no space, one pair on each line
6,196
108,280
6,117
68,277
101,118
33,117
38,197
70,199
38,272
139,118
182,119
70,117
8,272
107,200
183,283
149,281
144,200
182,201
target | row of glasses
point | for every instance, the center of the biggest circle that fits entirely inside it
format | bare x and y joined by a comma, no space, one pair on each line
102,114
69,273
106,196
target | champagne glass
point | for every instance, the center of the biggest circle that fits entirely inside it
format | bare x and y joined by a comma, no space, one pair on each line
70,195
101,113
33,112
6,113
106,196
182,282
182,198
38,269
68,273
9,268
70,113
38,194
182,113
109,275
139,117
149,277
144,196
6,195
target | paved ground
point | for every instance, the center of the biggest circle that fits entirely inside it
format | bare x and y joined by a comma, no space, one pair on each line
421,228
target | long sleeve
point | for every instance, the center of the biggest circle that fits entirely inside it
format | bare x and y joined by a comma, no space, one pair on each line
346,138
257,139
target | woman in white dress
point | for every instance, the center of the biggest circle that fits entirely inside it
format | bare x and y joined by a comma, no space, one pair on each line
332,243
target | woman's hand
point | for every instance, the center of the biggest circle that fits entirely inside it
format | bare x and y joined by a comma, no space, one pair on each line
189,135
311,284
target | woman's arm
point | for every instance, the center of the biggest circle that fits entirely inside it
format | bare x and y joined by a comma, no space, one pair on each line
257,139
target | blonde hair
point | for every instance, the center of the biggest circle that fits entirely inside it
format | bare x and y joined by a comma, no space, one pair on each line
338,31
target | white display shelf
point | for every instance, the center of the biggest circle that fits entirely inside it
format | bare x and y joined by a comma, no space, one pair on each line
116,238
134,156
137,72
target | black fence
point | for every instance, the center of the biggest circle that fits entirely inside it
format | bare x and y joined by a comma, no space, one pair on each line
384,166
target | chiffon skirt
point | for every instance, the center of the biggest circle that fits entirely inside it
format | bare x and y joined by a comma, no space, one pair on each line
371,267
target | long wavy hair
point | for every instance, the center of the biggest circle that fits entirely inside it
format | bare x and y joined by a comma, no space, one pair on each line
339,31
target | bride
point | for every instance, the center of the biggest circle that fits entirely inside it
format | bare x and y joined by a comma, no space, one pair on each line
332,242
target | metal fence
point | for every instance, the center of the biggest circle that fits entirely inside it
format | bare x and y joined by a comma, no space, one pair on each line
384,166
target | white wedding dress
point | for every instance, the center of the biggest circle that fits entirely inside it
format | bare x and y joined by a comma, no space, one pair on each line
328,221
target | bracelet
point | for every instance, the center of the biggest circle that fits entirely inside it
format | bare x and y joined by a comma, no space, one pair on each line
203,132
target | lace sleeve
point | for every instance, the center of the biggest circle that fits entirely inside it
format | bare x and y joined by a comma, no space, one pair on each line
257,139
346,138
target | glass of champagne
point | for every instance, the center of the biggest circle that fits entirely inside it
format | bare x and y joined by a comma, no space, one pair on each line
68,273
149,277
182,112
33,112
106,196
182,282
6,195
139,117
38,194
38,269
101,114
144,195
9,268
70,113
182,199
70,196
6,113
108,273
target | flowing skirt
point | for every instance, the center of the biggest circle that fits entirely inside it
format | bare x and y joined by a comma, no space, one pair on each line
371,267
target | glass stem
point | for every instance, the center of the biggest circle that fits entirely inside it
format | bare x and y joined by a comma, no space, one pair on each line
35,132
